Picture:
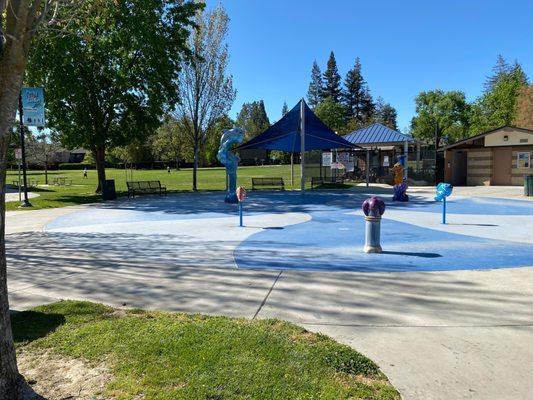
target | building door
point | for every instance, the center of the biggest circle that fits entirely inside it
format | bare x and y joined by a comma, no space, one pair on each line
501,166
459,171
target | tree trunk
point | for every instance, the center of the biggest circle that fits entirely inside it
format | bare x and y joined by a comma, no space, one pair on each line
12,66
46,169
99,157
195,165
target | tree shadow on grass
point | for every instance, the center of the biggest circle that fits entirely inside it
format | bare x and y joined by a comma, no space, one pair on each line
32,325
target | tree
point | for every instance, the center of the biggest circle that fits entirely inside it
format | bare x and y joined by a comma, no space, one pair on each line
284,109
357,98
41,151
20,22
253,119
524,108
332,81
111,77
206,90
385,114
497,106
332,114
314,94
440,114
170,141
212,143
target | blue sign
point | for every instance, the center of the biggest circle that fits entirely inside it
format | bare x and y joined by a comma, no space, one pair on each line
33,107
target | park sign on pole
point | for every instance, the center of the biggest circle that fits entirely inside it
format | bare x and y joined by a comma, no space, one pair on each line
33,106
327,158
18,154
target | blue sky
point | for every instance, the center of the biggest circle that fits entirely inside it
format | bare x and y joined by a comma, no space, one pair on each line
405,46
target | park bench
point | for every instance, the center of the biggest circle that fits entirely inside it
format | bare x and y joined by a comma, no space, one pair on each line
326,180
32,183
268,182
144,187
62,181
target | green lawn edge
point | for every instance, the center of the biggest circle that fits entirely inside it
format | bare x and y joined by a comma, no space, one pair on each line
161,355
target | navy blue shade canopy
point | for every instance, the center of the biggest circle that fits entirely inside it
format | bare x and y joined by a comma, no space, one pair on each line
284,135
377,134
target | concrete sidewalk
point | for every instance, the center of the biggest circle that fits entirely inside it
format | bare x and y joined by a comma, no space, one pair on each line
437,335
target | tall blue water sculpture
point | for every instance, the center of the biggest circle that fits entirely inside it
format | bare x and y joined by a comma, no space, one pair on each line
443,190
229,138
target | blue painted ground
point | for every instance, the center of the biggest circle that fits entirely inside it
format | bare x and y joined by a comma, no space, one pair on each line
333,239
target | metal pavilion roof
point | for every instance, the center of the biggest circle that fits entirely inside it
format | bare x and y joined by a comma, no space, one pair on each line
377,134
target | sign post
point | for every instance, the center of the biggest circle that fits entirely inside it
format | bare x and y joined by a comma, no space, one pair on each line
18,157
31,113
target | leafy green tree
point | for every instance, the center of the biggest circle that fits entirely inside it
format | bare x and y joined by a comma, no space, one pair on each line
284,109
497,106
111,77
314,94
212,144
205,88
170,143
332,81
332,114
253,119
524,108
385,114
440,114
357,98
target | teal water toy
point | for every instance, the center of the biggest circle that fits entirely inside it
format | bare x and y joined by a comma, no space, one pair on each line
373,208
229,138
443,190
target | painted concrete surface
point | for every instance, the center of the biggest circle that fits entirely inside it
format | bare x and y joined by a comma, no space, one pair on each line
464,333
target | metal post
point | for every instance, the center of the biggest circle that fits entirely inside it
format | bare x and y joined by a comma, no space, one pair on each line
367,167
292,171
240,213
302,145
20,186
406,154
444,210
25,202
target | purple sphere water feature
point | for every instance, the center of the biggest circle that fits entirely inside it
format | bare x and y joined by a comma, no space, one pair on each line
374,206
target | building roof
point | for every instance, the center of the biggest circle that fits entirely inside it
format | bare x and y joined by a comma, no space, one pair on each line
481,135
377,134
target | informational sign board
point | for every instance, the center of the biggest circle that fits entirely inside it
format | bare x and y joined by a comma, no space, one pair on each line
18,154
327,158
33,106
343,158
386,161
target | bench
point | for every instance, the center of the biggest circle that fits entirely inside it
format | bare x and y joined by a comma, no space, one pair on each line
326,180
143,187
32,183
62,181
270,182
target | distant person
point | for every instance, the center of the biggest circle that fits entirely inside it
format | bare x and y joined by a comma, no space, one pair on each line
85,173
168,169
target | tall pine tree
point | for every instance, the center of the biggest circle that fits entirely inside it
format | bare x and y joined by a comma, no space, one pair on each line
314,94
332,81
253,119
357,98
285,109
385,114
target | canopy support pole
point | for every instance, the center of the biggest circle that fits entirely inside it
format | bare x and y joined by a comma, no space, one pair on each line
292,171
367,167
406,153
302,145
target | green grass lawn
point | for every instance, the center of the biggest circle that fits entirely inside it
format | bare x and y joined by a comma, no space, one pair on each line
156,355
82,190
